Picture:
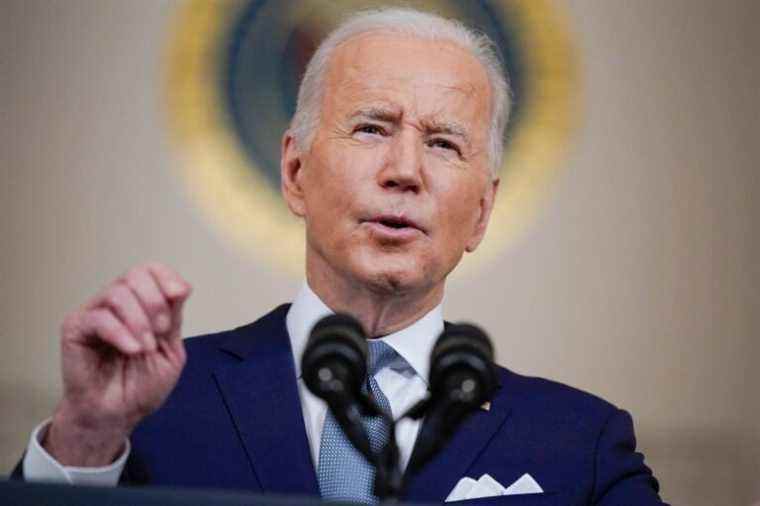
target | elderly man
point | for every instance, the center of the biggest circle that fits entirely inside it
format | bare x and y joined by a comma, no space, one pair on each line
390,161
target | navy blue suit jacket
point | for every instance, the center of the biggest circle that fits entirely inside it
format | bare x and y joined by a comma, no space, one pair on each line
234,421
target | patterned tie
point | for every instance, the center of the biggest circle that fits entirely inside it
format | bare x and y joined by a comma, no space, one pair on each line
344,474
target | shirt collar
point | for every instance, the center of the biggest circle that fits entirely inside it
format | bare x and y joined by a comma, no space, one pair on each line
413,343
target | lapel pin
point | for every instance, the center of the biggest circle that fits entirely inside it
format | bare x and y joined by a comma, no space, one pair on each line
486,406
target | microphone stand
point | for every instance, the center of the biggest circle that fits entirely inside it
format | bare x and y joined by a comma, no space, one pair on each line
445,416
388,476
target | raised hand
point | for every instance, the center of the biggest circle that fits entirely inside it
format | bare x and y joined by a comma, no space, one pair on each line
122,354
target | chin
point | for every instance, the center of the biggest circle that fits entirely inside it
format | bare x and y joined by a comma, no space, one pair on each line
393,283
395,275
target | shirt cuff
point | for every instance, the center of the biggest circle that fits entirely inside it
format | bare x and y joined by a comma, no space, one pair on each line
39,465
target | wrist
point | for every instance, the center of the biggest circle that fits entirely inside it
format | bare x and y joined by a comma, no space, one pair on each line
78,440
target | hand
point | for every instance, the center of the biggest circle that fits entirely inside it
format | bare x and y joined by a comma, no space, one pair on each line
121,354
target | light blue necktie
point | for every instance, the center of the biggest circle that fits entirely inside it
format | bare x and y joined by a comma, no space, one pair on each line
344,474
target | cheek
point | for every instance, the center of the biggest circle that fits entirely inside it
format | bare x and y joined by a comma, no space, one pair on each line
333,185
459,207
348,168
323,181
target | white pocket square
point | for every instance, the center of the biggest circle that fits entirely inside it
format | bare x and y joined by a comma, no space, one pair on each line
487,486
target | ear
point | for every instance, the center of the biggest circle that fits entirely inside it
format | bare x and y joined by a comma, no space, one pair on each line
290,175
486,206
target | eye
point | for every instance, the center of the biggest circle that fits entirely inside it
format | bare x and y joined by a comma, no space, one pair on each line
444,144
370,129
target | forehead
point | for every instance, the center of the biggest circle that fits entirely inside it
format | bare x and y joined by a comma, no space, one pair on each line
423,78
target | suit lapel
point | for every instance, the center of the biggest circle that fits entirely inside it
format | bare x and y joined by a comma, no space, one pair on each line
261,394
439,476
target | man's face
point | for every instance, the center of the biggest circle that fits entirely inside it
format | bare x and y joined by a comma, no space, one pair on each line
395,186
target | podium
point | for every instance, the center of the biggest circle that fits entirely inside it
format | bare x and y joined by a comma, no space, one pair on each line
18,493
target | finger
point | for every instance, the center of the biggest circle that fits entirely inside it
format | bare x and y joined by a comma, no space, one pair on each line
171,284
174,351
177,309
104,324
120,299
151,298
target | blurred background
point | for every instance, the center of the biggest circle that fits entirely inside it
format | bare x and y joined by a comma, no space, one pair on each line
631,273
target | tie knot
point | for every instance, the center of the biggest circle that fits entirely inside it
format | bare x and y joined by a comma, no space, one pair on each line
380,356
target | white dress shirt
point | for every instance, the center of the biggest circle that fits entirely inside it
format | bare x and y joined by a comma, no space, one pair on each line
404,382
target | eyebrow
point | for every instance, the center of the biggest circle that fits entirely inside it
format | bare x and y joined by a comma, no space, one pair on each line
377,113
446,128
430,126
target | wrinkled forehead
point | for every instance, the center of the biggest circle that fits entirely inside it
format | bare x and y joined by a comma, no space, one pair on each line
421,78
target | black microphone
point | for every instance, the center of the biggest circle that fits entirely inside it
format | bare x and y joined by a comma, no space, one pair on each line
334,367
462,378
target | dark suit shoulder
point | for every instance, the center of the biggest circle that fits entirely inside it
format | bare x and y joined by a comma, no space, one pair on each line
209,353
548,397
218,348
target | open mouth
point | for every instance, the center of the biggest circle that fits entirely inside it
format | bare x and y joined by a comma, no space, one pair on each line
395,227
394,223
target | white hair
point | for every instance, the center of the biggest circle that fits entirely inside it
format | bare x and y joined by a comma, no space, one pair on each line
413,23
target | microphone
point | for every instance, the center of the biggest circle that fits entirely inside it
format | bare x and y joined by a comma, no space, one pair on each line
462,377
334,366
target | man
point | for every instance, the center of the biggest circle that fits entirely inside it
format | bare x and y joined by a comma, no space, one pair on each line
390,161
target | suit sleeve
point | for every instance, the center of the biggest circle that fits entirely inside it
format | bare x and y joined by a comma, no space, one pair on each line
622,478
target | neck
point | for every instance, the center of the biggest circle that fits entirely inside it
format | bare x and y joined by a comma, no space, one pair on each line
381,311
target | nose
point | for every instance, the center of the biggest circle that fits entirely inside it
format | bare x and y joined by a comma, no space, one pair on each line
402,170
